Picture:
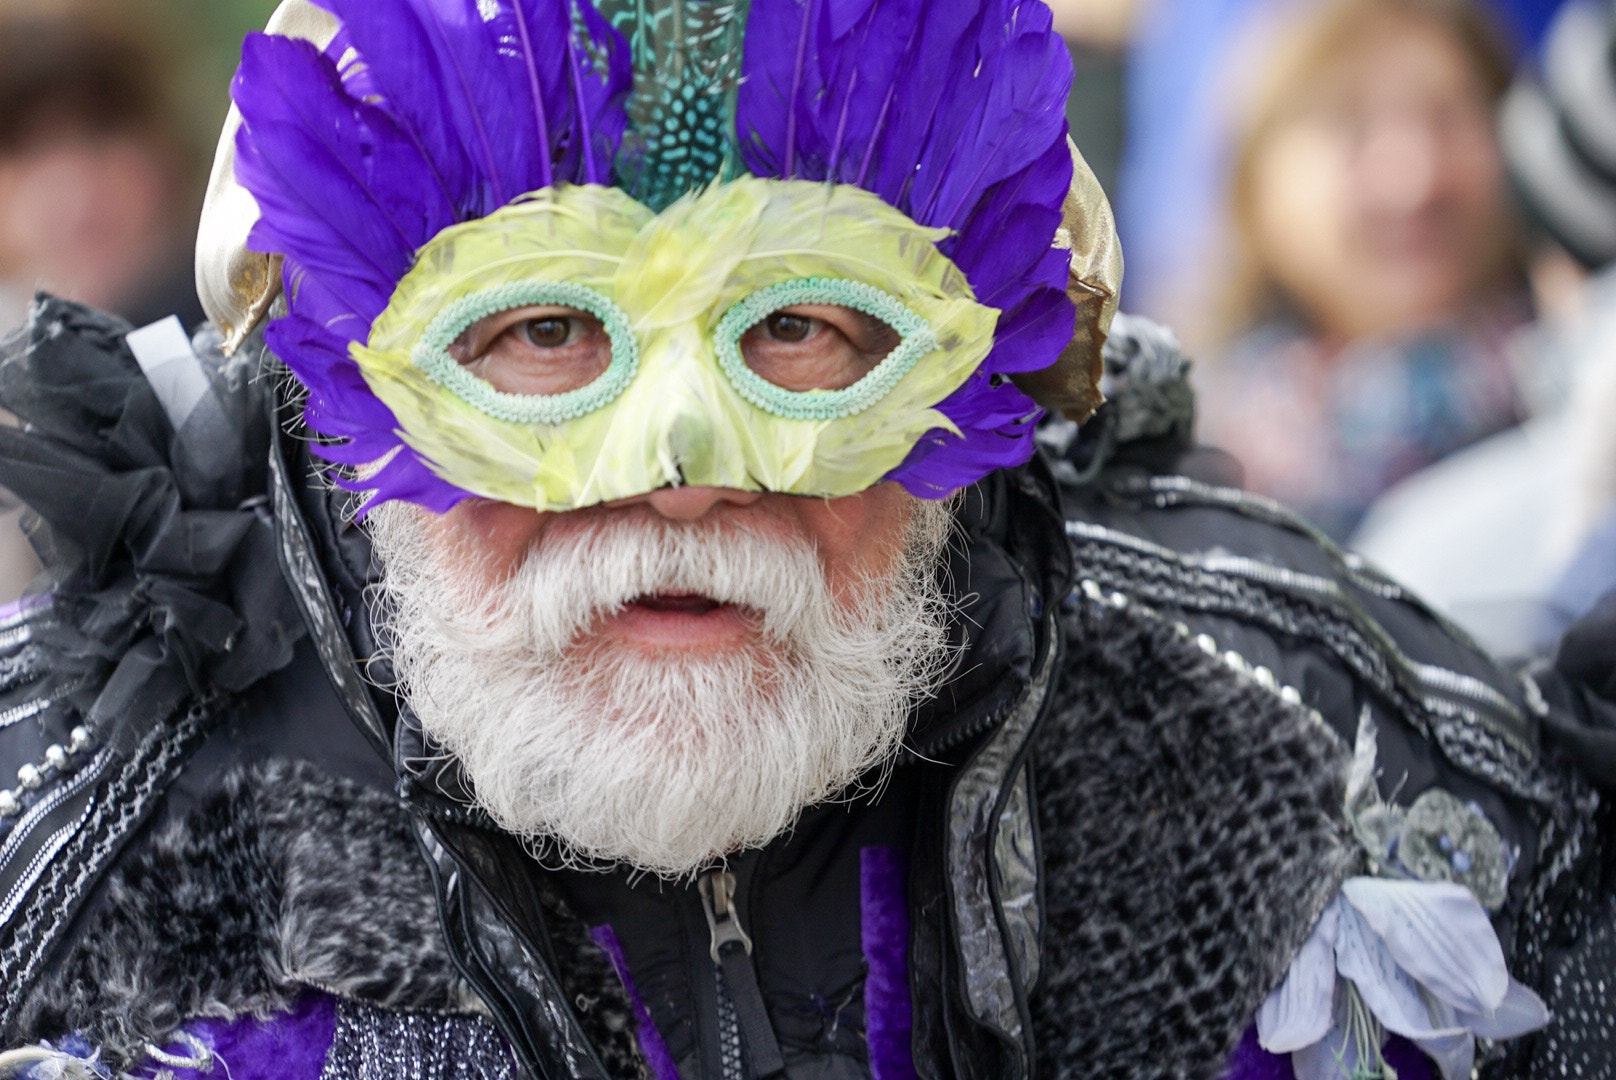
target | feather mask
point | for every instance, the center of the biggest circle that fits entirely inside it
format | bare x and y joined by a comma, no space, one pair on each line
418,117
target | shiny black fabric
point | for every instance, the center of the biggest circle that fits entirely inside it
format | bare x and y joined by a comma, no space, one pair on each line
153,534
160,608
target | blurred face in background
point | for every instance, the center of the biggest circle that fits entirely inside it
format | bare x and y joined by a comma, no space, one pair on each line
84,214
1371,195
96,185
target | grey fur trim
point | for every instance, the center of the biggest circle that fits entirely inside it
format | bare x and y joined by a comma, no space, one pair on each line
594,989
1192,831
286,878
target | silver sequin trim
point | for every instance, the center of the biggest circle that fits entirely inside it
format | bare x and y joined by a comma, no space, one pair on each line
371,1044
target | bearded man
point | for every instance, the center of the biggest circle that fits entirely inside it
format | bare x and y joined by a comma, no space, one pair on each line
590,606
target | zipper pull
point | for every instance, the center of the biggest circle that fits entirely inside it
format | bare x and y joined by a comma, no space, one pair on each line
731,950
718,901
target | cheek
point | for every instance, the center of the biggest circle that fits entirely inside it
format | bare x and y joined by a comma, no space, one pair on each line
860,537
1301,203
497,535
1474,171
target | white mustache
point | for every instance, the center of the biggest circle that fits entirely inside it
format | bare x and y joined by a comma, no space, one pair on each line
591,573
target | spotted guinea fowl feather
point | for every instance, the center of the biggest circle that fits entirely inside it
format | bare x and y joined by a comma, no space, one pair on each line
687,65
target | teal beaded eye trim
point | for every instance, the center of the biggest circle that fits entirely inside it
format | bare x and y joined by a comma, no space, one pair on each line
916,341
431,353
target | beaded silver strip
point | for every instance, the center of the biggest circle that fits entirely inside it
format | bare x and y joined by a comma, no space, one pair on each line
43,854
32,777
20,836
1256,673
1171,491
1485,706
14,636
23,613
25,711
117,806
27,665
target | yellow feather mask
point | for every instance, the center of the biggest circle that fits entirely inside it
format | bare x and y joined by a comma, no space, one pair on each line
674,294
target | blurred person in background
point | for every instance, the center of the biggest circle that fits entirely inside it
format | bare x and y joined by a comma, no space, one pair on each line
1372,285
98,183
1097,33
1487,534
1171,186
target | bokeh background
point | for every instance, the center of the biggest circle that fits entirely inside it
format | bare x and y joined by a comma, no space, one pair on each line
1385,261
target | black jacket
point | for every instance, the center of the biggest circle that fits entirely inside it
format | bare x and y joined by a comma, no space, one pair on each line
1111,832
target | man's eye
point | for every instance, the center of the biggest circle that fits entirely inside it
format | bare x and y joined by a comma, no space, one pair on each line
816,347
550,333
784,326
536,350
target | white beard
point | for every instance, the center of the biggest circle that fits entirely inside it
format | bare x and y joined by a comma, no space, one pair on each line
664,761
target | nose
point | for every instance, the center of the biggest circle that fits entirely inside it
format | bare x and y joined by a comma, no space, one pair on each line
690,503
1402,164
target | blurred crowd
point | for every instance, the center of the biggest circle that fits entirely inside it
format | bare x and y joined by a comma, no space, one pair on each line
1379,225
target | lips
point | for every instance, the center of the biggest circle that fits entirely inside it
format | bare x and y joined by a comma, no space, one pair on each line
682,622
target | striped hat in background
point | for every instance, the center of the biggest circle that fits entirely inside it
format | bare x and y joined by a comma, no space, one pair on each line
1559,133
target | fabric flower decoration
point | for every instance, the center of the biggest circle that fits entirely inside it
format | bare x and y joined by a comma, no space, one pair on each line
1416,958
1413,953
1438,838
1446,839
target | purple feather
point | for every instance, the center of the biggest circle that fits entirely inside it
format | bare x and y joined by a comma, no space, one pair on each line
884,934
341,406
423,113
424,58
1033,330
287,1045
1018,76
954,112
322,166
922,97
497,91
419,114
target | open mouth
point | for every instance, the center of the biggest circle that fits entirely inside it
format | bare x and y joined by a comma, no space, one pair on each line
684,620
677,603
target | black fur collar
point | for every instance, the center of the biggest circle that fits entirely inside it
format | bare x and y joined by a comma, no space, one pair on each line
286,880
1192,831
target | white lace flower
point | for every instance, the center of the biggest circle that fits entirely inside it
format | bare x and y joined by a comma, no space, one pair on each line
1415,958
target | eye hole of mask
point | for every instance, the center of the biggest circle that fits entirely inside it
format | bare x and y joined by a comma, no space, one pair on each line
816,346
530,352
819,348
539,349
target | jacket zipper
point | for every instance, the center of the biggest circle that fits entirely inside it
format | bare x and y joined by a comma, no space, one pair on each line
747,1047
